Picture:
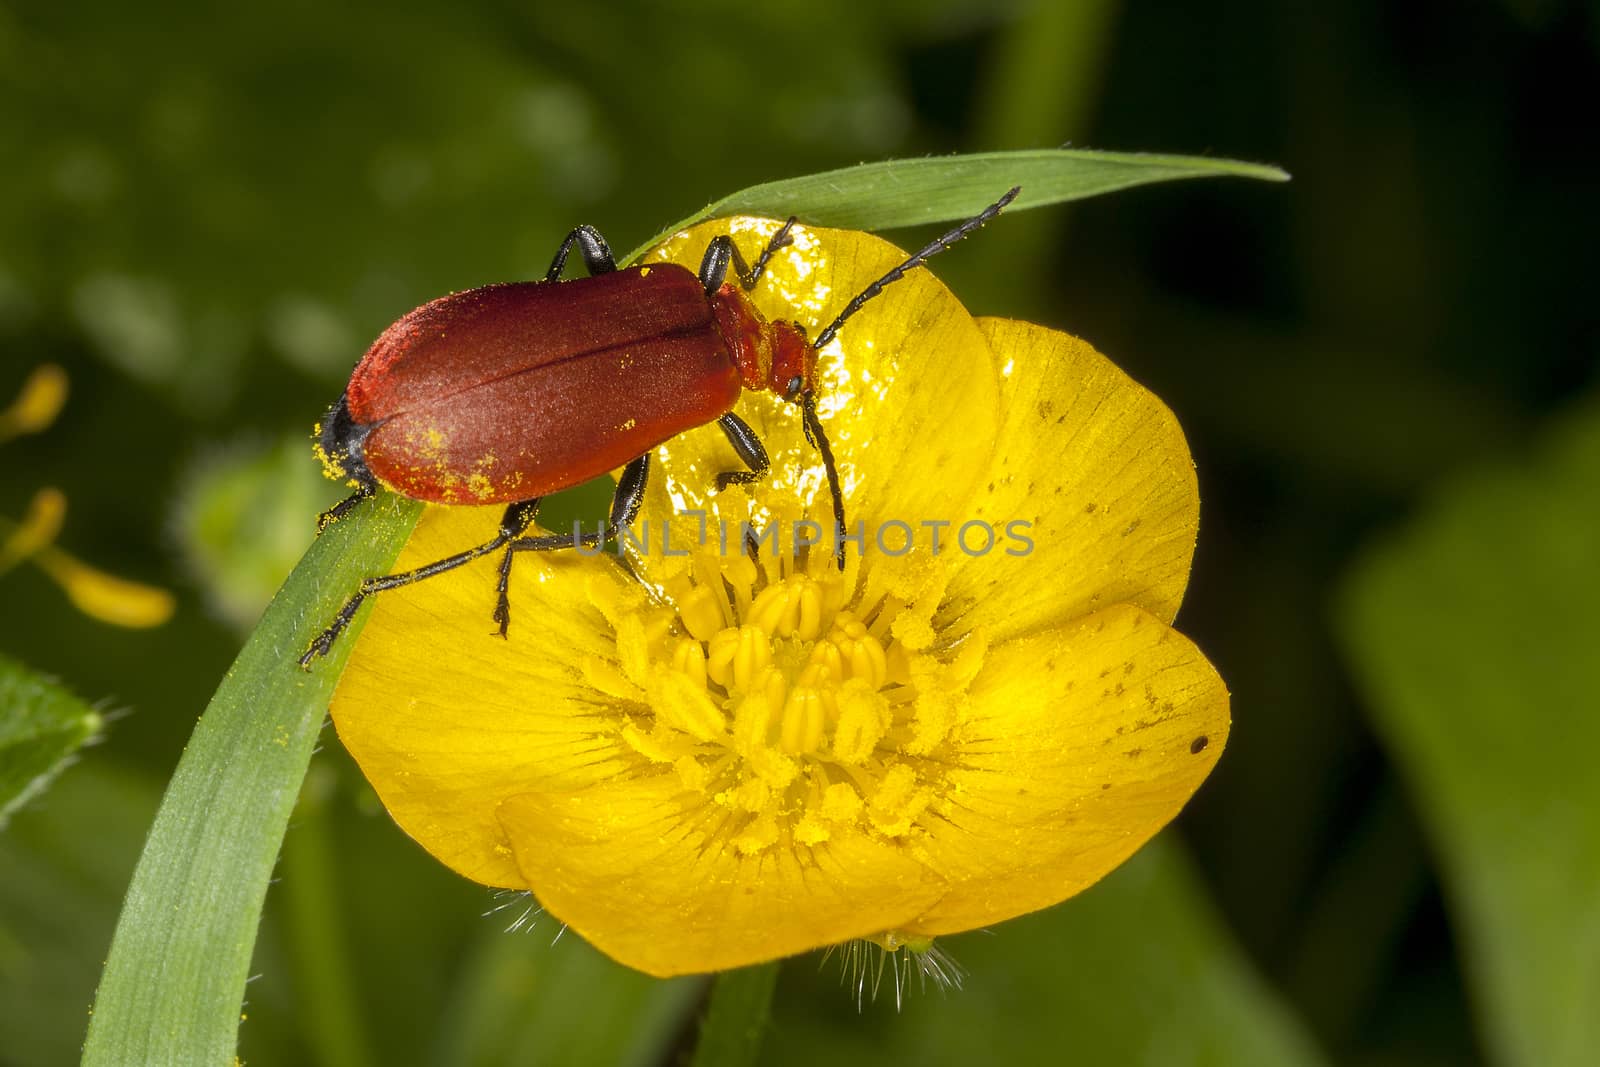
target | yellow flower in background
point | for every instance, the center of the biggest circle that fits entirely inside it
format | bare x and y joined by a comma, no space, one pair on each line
99,595
700,760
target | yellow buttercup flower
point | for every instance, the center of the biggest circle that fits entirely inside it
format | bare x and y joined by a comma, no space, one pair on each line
716,752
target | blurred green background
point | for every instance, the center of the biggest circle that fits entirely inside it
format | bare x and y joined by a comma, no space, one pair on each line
1386,370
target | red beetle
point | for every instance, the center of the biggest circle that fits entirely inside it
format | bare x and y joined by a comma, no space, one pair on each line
504,394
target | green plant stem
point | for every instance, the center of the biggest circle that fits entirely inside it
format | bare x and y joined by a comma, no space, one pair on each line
1043,77
1041,85
323,976
736,1018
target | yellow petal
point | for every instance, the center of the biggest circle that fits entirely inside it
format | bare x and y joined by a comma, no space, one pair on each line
106,597
1097,468
647,875
447,719
1081,742
907,395
102,596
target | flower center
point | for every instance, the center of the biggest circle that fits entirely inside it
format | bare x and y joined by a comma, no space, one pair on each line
797,709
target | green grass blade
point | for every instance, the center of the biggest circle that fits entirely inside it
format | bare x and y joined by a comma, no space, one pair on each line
174,979
914,192
41,726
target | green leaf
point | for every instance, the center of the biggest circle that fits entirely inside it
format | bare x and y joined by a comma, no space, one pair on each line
914,192
1136,970
174,979
41,726
64,863
1474,633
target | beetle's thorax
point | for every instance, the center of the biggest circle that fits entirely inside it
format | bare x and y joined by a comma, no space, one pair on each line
772,356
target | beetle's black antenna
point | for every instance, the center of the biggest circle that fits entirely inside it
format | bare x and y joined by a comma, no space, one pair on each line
932,249
819,441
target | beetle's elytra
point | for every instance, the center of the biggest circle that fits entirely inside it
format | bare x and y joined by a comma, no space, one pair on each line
499,394
507,393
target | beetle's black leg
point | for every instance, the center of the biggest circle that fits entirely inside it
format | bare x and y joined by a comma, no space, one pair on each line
629,497
722,251
517,521
342,508
508,530
625,505
714,264
748,445
596,253
781,239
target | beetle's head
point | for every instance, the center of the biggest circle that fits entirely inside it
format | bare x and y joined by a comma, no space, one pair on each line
794,363
339,441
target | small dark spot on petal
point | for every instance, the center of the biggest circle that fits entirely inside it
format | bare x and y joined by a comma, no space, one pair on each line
1105,785
1198,745
1088,509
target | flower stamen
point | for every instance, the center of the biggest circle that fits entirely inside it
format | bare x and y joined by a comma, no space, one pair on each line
824,717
